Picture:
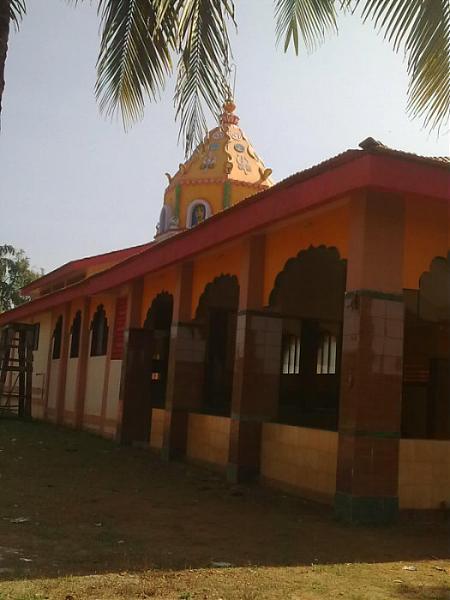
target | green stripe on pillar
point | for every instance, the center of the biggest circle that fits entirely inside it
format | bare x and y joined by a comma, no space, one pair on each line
177,201
226,194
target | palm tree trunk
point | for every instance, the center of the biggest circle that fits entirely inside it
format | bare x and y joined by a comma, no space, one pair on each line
5,6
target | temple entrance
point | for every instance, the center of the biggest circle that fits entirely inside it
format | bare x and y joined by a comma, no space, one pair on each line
309,294
159,321
217,315
426,368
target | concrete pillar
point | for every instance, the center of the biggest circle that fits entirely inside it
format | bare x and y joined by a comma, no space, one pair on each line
185,369
372,353
133,321
256,368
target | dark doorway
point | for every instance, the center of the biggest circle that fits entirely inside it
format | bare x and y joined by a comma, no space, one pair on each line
309,294
135,387
426,365
217,316
159,322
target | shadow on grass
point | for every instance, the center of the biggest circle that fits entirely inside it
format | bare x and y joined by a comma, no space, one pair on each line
413,592
92,507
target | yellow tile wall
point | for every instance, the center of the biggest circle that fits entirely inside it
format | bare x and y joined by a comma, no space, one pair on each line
424,474
208,439
300,459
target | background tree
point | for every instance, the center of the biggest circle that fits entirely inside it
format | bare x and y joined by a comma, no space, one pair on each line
15,273
143,42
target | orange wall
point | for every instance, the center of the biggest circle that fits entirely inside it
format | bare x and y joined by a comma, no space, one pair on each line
329,228
226,261
164,281
426,236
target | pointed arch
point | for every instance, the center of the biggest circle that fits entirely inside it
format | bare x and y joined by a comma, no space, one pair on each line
221,293
159,315
312,285
57,338
75,333
99,330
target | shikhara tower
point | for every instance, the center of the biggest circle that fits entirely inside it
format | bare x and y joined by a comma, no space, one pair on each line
222,171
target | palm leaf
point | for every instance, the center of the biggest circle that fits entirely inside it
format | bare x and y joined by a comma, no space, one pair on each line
203,67
17,11
422,29
310,20
134,58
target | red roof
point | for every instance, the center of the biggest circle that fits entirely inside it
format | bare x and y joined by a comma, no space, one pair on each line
374,167
75,266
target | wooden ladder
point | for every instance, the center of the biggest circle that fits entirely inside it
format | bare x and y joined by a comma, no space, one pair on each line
16,370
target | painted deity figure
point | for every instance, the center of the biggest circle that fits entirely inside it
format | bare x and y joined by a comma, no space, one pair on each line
198,215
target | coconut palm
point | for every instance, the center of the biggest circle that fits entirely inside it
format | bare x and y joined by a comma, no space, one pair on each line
143,42
10,11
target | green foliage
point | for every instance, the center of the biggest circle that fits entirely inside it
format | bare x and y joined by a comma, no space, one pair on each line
144,41
17,10
15,273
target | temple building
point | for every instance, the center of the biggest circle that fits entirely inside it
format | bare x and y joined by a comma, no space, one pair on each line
295,333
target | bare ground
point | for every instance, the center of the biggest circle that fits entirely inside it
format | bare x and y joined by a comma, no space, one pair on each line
83,518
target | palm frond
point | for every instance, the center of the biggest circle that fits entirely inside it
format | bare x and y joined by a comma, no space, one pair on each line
17,11
135,55
204,64
422,29
310,20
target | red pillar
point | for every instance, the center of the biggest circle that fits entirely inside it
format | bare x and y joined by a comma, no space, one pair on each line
256,369
372,353
185,369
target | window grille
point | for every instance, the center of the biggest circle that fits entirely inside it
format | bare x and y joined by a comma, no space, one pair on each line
291,355
326,354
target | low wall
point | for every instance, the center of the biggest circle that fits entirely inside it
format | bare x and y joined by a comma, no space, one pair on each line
112,399
300,460
157,428
93,401
208,439
424,474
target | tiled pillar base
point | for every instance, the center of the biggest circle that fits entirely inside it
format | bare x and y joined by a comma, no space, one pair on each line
370,408
184,386
366,510
255,390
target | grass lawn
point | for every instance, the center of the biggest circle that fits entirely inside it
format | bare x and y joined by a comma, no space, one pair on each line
83,518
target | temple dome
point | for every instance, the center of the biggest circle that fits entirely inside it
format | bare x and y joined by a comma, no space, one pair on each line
223,170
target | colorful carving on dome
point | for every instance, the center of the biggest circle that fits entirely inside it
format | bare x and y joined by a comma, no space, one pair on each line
223,170
208,162
243,164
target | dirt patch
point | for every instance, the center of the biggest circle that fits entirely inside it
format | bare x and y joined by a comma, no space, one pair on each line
83,518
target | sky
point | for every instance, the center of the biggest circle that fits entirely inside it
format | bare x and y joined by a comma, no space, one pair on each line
74,184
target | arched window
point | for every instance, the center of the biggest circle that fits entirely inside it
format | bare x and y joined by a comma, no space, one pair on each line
75,332
198,211
99,328
57,337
